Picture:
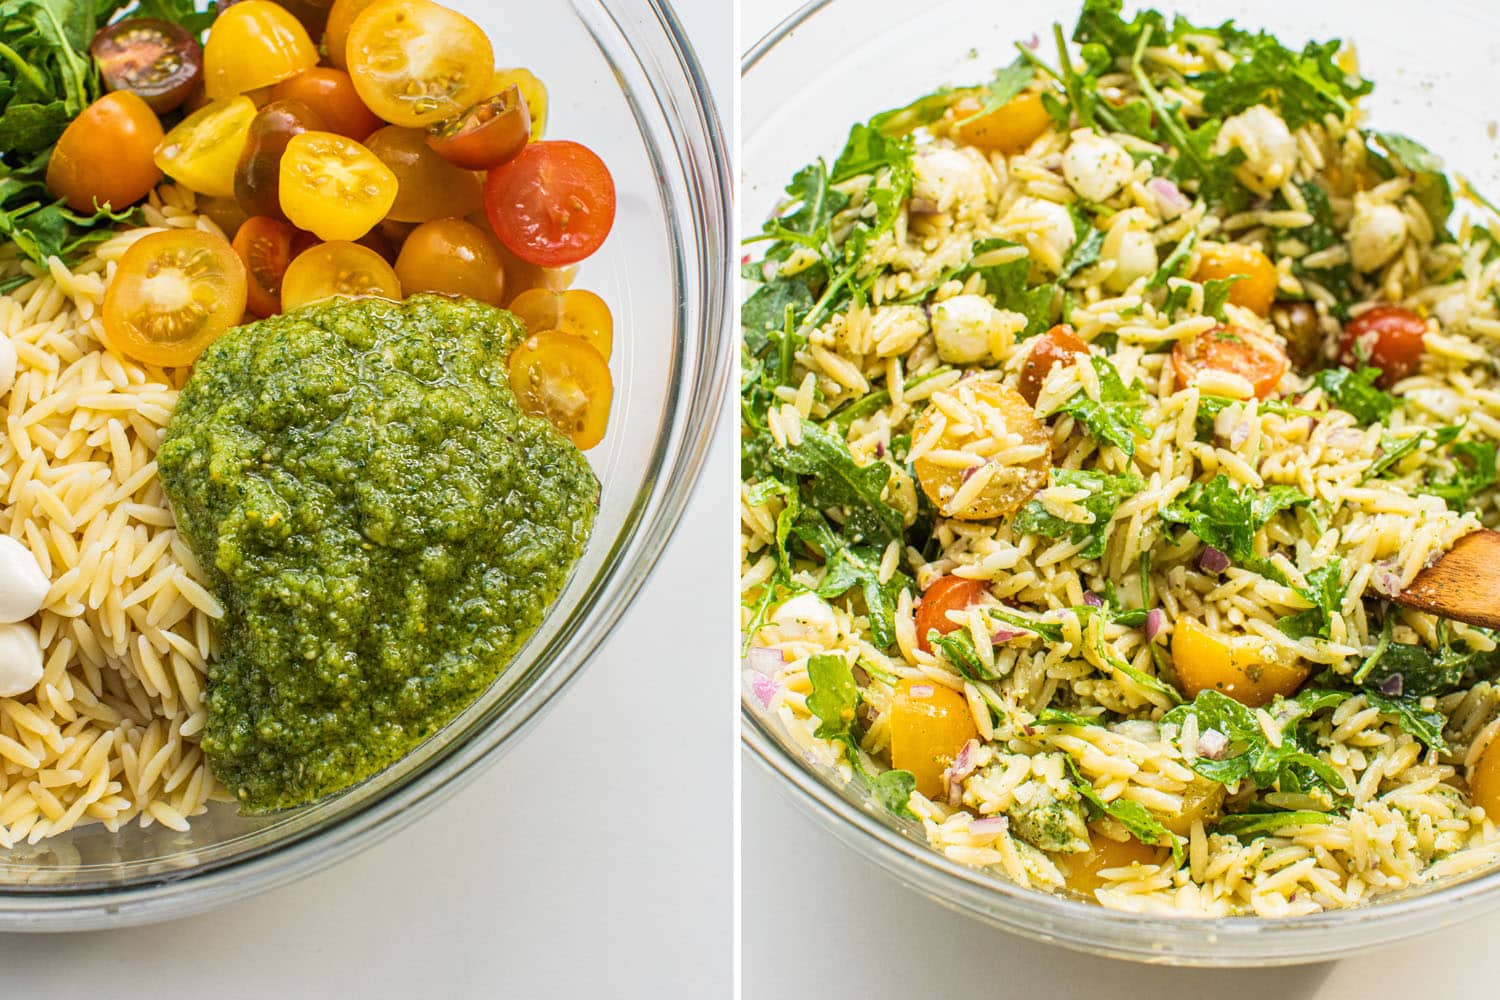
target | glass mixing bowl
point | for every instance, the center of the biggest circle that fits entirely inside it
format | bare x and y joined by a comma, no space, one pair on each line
839,61
624,80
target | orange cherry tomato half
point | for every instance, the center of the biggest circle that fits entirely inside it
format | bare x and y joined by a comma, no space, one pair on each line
488,134
336,33
427,186
947,593
331,94
155,60
1389,338
1059,345
576,311
266,246
105,155
333,187
553,204
254,44
173,294
1255,288
930,723
415,63
1232,350
337,268
452,257
533,94
1008,129
562,378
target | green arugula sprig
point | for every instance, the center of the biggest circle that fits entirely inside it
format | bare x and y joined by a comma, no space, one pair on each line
834,700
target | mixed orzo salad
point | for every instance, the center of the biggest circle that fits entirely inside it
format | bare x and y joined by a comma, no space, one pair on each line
1091,420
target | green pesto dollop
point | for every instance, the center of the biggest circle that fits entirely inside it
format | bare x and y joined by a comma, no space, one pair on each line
382,524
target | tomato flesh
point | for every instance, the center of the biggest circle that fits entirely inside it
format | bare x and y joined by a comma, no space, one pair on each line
1232,350
573,311
533,95
452,257
173,294
488,134
560,377
254,44
1389,337
415,63
427,186
1059,345
105,155
265,246
257,177
947,593
553,205
203,150
333,187
155,60
1008,129
930,723
337,268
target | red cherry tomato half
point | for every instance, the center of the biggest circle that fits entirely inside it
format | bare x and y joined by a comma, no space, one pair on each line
266,246
1387,337
552,205
486,135
1234,350
947,593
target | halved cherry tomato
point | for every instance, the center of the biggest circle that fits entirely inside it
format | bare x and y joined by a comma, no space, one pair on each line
104,156
1232,350
1105,854
1388,337
452,257
488,134
266,246
415,63
172,295
1205,661
533,93
254,44
257,177
1256,288
155,60
930,723
331,94
336,35
428,186
1007,486
947,593
1008,129
521,275
337,268
554,204
1484,781
313,14
202,152
580,313
560,377
1059,345
333,187
226,213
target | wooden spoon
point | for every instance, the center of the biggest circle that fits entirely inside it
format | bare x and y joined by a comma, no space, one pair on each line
1464,584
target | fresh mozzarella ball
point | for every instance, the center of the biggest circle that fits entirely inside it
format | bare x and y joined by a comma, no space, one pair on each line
1270,151
968,328
23,585
1376,233
947,178
20,659
1050,230
806,616
1096,167
1134,255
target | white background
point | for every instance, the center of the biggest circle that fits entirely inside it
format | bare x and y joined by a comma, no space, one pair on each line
595,860
819,922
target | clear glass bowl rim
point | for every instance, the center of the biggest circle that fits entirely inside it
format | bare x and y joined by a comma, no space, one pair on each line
1223,941
694,405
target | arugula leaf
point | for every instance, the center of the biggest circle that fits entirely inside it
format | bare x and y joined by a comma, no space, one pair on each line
1115,417
1320,234
834,479
1393,449
850,566
1430,184
1302,86
1250,825
894,789
1062,717
1227,518
1131,815
1088,243
1406,669
1474,471
1424,725
1216,295
1008,82
1051,631
1325,590
1250,755
958,649
1105,494
923,111
1355,393
834,697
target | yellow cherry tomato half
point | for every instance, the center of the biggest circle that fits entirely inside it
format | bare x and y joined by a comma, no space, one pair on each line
1205,660
930,723
452,257
333,187
533,92
1105,854
254,44
172,295
336,34
1484,780
581,313
202,151
427,186
562,378
415,63
337,268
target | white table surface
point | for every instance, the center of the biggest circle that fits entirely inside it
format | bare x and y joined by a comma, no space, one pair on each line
572,868
820,922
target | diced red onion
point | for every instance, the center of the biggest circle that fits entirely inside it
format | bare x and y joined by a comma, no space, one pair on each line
921,690
764,689
1393,685
1156,620
880,449
1170,201
1240,434
967,473
1211,560
989,826
1001,636
963,766
764,660
1034,42
1092,599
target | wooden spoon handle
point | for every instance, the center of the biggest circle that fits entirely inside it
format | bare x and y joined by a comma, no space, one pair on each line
1464,584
